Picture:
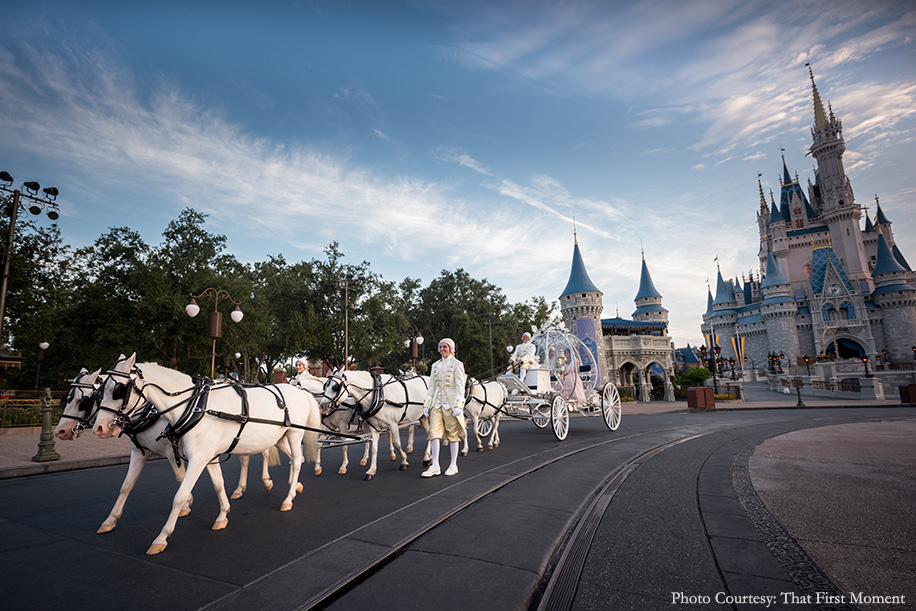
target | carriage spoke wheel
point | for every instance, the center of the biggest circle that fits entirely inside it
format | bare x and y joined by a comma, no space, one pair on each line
610,406
484,426
540,414
559,417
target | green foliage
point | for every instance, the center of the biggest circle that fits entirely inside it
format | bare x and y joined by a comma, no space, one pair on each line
695,376
121,295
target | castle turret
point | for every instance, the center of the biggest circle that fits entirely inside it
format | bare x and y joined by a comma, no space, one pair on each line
897,299
581,306
779,311
648,299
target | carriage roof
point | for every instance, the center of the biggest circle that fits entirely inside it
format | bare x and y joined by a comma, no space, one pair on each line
563,353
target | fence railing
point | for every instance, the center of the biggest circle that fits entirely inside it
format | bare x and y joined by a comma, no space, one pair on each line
24,410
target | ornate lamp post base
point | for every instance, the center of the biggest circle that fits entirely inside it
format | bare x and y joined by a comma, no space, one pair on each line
46,444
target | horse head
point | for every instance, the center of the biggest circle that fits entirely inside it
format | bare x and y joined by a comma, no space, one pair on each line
77,406
115,394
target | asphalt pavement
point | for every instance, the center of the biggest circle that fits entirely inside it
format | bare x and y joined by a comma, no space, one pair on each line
819,517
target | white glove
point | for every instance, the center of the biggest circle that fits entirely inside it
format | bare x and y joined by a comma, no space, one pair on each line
426,412
457,412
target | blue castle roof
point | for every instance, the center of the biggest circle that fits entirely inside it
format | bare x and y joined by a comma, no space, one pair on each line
725,291
819,259
886,261
579,282
646,286
773,275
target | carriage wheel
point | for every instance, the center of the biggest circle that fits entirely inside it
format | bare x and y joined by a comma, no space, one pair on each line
559,417
610,406
540,414
484,426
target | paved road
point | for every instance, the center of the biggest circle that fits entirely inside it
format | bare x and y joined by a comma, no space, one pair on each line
696,517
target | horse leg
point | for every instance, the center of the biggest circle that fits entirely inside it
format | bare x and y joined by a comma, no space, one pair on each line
374,457
219,486
410,430
243,478
394,435
137,462
427,456
192,474
294,439
494,436
464,446
345,462
391,446
366,451
265,471
283,445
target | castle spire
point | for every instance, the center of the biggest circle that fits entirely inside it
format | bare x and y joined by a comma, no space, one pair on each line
763,202
820,117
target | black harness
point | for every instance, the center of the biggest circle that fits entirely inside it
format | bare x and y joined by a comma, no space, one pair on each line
85,408
469,392
378,398
195,408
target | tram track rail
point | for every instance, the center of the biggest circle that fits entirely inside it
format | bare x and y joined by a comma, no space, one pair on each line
568,567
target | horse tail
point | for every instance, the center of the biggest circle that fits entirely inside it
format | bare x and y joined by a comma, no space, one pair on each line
273,456
310,439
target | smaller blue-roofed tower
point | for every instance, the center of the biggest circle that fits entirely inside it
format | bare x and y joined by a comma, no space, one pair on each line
648,299
581,306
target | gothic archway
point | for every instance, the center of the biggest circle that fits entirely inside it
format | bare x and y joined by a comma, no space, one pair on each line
846,348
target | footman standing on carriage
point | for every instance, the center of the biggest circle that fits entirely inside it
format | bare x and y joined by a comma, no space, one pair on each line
444,407
524,356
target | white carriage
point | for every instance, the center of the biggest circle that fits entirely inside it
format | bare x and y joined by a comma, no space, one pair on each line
566,379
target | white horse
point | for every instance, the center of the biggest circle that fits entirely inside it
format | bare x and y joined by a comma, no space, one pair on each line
78,410
484,401
383,403
212,421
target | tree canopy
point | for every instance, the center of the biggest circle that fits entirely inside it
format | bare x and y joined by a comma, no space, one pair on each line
123,295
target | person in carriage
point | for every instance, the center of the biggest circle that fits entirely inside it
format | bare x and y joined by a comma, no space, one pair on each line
523,357
302,374
571,386
444,407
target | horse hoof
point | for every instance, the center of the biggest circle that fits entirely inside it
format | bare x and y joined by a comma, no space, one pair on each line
342,472
318,471
269,486
480,449
184,512
409,449
367,477
286,506
220,524
403,468
299,488
489,447
362,463
156,548
105,528
236,495
392,458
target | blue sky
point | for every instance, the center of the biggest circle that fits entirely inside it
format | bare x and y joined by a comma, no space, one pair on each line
433,135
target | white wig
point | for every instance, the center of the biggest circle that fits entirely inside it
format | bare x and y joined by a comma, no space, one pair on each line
449,342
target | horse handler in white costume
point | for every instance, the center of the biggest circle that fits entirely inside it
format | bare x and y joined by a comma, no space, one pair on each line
524,356
444,407
302,374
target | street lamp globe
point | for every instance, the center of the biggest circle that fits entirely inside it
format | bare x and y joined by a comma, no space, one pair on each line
236,314
192,308
419,340
44,345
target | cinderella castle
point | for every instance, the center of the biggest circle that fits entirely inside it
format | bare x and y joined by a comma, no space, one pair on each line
830,288
628,352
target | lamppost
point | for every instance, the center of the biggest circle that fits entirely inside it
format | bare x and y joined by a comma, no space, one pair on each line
346,282
39,203
39,357
215,321
711,363
884,354
731,363
865,362
808,364
412,343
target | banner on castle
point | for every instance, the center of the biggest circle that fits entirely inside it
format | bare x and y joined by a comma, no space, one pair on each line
585,330
712,340
738,345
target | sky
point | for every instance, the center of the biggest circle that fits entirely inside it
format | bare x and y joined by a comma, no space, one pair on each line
431,135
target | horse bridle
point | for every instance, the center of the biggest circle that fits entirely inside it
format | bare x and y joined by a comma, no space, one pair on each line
86,403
